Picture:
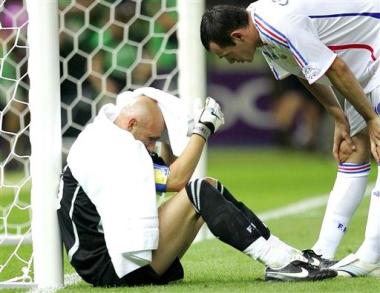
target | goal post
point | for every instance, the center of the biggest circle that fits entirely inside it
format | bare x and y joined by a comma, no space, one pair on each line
191,61
29,181
45,140
192,71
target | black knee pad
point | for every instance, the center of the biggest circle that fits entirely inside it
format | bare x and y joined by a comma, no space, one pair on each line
224,219
264,230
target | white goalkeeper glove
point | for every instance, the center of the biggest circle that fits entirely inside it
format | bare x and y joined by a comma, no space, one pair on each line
210,119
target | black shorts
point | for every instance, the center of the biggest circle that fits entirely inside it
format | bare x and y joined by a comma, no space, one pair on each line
142,276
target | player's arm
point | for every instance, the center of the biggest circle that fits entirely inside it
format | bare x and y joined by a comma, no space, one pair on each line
346,83
183,167
325,95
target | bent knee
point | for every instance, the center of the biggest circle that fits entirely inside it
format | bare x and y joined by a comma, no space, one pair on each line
179,203
346,151
212,181
362,149
195,190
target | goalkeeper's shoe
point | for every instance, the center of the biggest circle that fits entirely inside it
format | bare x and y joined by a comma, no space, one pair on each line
317,259
352,266
298,271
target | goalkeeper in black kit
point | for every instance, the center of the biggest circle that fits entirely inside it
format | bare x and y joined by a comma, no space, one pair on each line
112,229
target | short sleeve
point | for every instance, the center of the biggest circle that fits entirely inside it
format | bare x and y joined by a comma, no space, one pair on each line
313,56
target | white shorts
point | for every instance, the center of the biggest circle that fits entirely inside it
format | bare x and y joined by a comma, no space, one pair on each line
356,121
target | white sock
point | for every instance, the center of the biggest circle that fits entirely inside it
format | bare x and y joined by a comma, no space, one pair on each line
272,252
369,251
347,193
284,245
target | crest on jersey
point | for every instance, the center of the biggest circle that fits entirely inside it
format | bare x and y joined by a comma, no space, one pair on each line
311,71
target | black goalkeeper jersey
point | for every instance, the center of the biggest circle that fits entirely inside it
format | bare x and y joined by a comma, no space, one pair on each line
82,232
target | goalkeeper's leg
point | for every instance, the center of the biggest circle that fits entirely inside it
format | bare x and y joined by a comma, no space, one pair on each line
235,224
246,211
180,222
241,206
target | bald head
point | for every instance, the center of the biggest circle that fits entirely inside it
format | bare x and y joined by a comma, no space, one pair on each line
144,120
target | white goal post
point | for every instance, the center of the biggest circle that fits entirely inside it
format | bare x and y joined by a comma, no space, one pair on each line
47,71
46,140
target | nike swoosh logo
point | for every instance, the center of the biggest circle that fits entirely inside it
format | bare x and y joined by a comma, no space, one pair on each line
302,274
314,261
214,114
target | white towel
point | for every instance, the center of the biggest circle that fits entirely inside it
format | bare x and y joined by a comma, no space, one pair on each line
116,172
177,117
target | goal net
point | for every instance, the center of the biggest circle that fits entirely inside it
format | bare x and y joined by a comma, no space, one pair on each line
66,74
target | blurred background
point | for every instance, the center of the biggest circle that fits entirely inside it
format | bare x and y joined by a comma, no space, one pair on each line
110,46
261,111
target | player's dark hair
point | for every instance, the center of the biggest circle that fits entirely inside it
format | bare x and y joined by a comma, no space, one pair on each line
219,21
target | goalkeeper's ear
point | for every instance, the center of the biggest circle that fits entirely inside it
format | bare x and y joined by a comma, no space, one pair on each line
131,124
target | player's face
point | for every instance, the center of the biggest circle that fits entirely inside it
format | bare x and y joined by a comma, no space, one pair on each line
149,132
241,52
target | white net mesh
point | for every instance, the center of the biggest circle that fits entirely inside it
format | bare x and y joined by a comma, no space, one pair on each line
15,181
105,47
109,46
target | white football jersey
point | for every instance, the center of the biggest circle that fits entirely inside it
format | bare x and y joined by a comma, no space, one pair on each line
303,37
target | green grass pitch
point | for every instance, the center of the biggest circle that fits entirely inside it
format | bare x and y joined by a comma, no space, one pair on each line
264,180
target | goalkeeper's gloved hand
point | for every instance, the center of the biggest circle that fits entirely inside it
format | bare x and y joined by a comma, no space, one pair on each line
210,119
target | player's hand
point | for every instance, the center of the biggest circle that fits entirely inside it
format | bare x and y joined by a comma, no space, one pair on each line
374,135
210,119
343,145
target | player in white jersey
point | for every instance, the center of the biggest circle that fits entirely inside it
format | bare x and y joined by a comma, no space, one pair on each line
325,44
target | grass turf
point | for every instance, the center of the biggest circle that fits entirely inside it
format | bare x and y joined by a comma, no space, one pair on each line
264,179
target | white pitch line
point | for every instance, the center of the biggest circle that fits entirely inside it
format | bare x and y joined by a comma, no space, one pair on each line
288,210
301,206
